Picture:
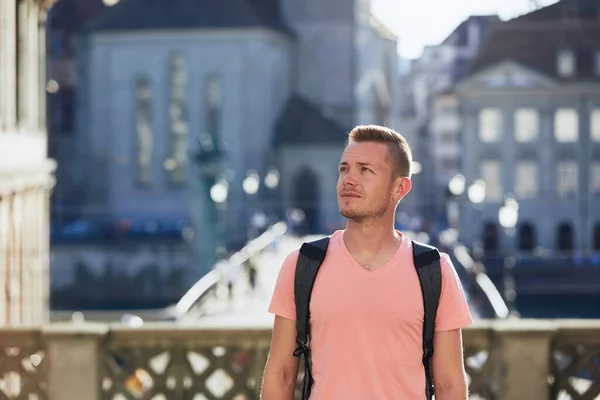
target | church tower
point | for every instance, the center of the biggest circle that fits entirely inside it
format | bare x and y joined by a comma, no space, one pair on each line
326,53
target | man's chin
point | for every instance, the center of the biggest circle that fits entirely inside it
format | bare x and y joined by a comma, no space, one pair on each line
351,214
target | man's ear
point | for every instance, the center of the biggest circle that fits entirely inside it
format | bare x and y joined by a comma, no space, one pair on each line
402,185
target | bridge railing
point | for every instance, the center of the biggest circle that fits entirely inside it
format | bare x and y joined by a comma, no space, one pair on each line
483,294
190,304
484,297
504,359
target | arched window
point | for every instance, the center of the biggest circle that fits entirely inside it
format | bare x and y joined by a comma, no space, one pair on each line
306,198
527,240
144,136
178,117
490,237
596,243
564,237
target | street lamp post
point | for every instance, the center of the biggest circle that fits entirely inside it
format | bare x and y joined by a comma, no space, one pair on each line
456,187
210,192
258,218
218,194
271,181
475,193
250,185
508,216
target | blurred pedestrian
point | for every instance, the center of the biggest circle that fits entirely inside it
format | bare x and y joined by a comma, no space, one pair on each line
233,273
252,272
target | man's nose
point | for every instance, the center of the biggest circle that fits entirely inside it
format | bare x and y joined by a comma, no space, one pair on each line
349,179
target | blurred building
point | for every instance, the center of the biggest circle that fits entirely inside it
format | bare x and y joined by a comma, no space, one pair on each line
154,102
433,112
26,173
65,19
278,84
531,112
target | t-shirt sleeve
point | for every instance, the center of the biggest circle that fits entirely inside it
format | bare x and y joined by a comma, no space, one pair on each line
453,310
283,301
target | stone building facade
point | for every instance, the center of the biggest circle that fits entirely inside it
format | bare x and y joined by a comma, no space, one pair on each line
26,174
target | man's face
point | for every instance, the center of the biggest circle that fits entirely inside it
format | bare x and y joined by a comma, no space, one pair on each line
366,187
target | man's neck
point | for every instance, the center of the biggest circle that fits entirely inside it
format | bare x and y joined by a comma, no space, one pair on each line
371,237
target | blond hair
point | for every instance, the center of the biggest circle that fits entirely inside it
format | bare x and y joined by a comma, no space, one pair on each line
399,153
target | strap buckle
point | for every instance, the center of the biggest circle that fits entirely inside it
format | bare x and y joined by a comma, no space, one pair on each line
427,350
302,349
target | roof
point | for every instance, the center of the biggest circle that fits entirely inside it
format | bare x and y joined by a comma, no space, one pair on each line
303,123
460,35
579,10
534,40
71,14
131,15
381,29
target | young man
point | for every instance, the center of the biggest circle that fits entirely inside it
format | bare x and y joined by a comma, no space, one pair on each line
366,310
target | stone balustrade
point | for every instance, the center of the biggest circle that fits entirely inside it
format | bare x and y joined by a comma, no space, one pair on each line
508,360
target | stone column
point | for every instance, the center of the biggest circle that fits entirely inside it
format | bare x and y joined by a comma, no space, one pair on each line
522,358
74,360
4,304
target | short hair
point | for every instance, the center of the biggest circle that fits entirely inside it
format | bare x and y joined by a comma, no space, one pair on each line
400,155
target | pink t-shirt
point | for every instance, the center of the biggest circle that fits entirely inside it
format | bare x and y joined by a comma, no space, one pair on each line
367,326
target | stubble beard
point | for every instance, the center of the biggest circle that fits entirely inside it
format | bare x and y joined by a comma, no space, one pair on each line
361,214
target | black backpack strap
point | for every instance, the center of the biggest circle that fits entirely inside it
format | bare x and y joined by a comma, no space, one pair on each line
310,258
427,262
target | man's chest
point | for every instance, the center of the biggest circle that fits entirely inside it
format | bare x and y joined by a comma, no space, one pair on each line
341,299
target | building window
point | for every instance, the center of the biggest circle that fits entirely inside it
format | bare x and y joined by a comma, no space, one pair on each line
490,125
567,179
566,63
381,101
448,137
143,127
491,174
490,237
212,98
388,72
527,179
66,101
564,237
595,125
566,125
527,240
597,63
527,125
448,165
178,119
381,112
595,178
596,244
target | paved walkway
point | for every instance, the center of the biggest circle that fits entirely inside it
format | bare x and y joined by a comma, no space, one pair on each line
247,308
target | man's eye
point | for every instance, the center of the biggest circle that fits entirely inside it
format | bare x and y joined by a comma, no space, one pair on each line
366,169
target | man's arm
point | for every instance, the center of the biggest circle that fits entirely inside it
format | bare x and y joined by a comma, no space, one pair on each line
281,371
448,369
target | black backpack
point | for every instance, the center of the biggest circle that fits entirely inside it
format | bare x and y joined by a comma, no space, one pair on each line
427,262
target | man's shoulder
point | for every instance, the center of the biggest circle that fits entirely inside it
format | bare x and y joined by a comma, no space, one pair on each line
291,259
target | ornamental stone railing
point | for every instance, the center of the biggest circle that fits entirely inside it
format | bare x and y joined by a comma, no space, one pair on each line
508,360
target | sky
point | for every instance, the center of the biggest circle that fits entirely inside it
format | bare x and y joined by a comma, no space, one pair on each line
428,22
